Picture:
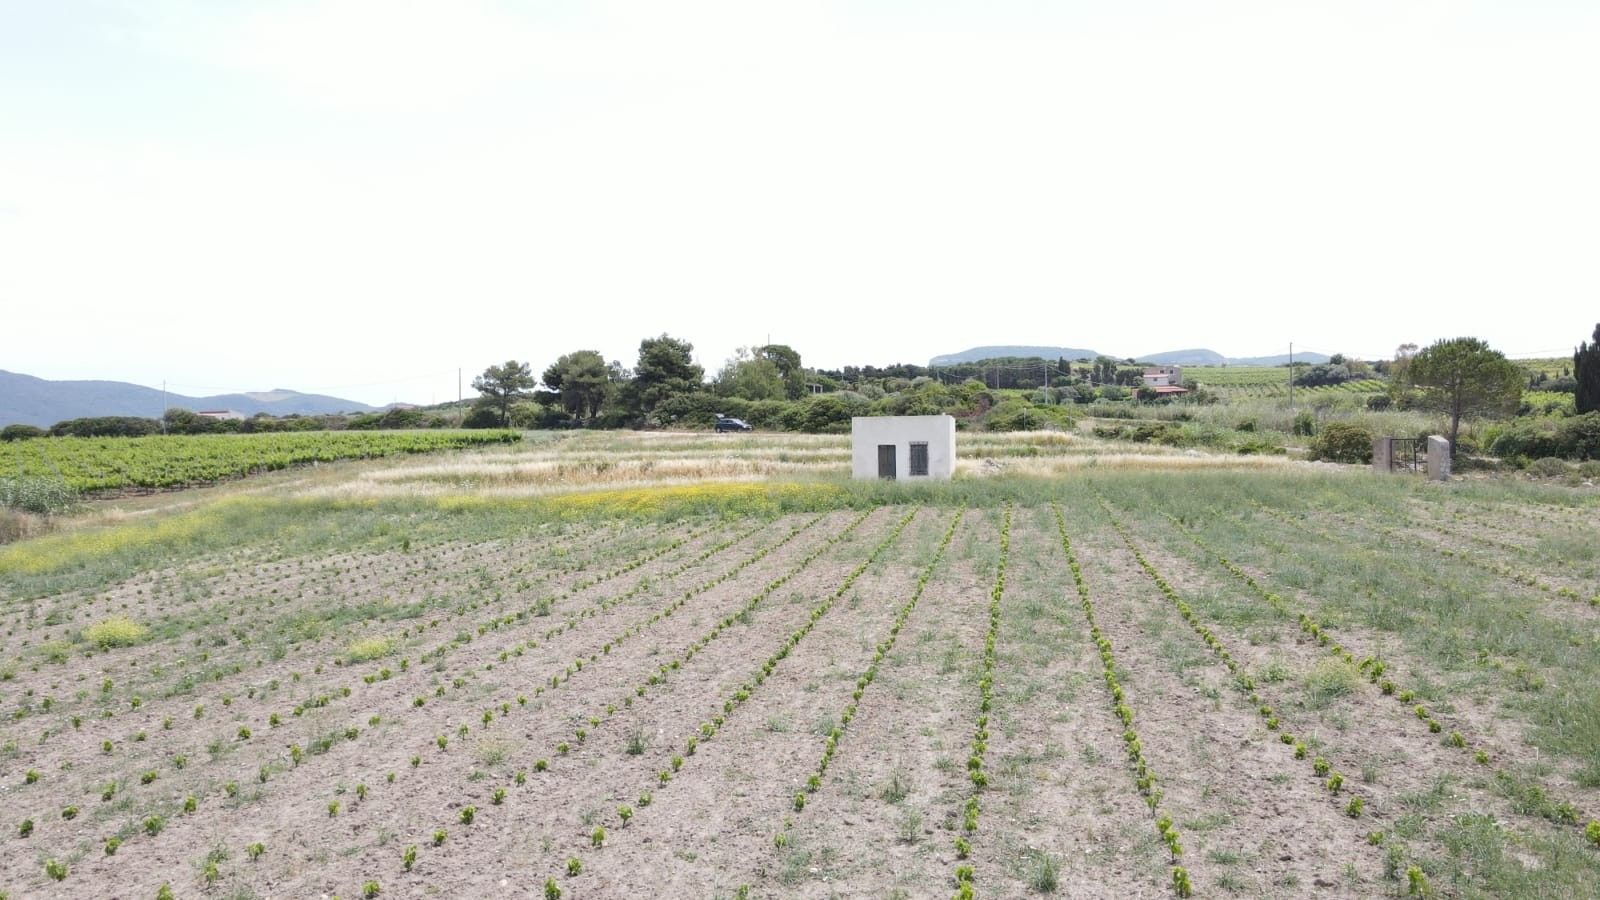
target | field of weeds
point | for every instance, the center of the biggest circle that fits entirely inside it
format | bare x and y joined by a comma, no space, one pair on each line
698,666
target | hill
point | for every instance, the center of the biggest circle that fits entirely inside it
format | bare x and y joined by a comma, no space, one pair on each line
1315,359
978,354
28,400
1185,358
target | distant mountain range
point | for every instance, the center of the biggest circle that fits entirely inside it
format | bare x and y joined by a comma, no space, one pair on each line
27,400
1197,357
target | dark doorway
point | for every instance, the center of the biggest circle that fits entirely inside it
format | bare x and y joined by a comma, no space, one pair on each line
886,461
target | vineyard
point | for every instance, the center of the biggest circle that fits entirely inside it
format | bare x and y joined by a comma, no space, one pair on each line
91,464
1108,685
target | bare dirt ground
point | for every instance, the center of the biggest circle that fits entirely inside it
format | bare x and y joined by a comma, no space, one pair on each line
628,709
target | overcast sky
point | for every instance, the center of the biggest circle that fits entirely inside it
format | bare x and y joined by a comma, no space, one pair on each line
359,197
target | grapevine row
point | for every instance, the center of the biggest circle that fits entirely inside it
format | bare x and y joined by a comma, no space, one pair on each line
709,729
830,742
1375,670
1144,776
1335,781
980,735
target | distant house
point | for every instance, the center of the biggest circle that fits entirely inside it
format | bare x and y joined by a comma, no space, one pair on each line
1163,376
219,414
1170,390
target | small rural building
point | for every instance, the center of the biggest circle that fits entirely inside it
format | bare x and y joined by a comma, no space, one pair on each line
897,447
1163,376
219,414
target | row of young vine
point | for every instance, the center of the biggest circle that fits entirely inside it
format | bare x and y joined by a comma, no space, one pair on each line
964,874
710,726
1144,775
1562,812
830,741
1335,783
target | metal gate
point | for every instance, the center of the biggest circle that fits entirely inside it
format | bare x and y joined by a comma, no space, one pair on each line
1408,455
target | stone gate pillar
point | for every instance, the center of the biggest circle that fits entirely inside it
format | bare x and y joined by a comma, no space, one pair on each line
1382,454
1438,458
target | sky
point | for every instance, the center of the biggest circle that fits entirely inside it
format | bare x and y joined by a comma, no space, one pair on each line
361,198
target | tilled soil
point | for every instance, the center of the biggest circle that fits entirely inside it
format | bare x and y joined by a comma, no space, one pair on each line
592,703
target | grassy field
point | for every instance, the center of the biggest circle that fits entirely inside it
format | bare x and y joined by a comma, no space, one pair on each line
612,665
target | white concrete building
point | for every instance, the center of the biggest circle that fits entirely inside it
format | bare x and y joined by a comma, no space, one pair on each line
1163,376
896,447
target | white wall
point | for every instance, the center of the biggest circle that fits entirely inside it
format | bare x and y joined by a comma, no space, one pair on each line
867,432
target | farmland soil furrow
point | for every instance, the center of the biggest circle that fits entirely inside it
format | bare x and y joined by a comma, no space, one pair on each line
397,712
600,759
1250,813
601,774
1058,808
900,762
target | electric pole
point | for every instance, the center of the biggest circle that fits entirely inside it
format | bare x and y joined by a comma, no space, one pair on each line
1291,375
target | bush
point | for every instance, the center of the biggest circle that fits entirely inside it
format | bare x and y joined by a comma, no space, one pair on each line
1549,467
1579,437
1304,424
1325,374
1524,439
367,649
1343,442
117,631
1020,415
106,426
41,496
1379,402
482,417
20,432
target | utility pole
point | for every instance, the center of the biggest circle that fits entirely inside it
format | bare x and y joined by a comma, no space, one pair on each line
1291,375
163,406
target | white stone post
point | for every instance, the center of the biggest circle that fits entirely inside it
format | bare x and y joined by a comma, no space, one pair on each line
1382,454
1438,458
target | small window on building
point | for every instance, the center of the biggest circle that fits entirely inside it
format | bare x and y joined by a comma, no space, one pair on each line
919,458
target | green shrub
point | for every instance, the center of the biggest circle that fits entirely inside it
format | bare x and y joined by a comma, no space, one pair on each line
1549,467
41,496
117,631
21,432
1343,442
367,649
1579,437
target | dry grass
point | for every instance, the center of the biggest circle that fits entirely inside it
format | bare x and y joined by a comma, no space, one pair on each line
628,460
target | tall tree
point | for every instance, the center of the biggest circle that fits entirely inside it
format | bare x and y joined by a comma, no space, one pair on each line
582,380
1464,377
787,359
1586,369
751,377
500,386
665,369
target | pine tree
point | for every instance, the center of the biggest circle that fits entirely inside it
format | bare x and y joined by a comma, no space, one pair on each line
1586,369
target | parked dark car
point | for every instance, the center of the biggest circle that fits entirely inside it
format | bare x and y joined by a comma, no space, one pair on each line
729,423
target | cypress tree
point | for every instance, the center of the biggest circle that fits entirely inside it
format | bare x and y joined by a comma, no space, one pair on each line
1586,369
